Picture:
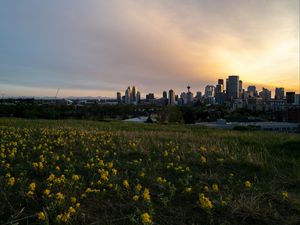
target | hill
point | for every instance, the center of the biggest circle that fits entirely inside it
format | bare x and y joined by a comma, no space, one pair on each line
87,172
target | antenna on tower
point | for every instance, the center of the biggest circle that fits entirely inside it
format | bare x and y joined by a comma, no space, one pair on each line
56,93
188,87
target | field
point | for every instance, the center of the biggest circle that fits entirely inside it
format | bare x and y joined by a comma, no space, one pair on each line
86,172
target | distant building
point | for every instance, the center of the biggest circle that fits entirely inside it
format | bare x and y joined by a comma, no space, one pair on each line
189,96
171,97
119,97
252,91
290,97
240,88
221,81
138,97
219,93
150,97
279,93
198,96
165,95
233,86
265,94
209,91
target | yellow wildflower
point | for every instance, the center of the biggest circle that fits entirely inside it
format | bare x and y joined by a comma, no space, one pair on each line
46,192
135,198
206,188
146,219
11,181
41,216
59,196
205,203
203,159
126,184
215,187
73,200
146,195
30,193
71,210
138,187
188,189
75,177
285,194
247,184
32,186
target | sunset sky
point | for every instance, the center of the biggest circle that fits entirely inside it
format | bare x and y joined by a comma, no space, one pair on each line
98,47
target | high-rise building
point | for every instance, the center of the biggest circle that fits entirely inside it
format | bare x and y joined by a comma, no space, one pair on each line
219,93
209,91
221,81
265,94
290,97
233,87
138,97
198,96
128,95
189,96
165,95
150,96
119,97
183,98
133,97
171,97
252,91
279,93
240,88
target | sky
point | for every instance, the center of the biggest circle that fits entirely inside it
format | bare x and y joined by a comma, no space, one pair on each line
99,47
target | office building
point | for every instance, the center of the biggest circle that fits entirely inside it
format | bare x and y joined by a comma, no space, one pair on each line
290,97
279,93
265,95
252,91
171,97
233,86
119,97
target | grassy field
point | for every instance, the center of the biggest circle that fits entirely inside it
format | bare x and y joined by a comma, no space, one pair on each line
86,172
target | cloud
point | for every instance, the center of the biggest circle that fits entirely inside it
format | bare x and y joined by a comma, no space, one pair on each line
156,45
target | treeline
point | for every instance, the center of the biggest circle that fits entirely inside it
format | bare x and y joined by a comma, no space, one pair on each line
167,114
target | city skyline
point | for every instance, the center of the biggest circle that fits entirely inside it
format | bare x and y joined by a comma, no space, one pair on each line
93,48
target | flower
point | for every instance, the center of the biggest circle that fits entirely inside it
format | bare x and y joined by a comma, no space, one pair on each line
146,195
11,181
32,186
75,177
73,200
138,187
146,219
215,187
247,184
59,196
71,210
203,159
135,198
46,192
41,216
188,189
30,193
285,194
205,203
126,184
206,188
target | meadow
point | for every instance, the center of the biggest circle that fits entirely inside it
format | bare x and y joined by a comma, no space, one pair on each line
87,172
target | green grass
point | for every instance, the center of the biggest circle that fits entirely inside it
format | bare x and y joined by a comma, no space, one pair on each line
170,158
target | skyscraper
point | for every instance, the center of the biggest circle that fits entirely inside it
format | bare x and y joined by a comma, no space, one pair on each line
133,97
252,91
165,95
279,93
240,88
171,97
119,97
221,81
233,87
265,94
128,96
138,97
189,96
290,97
209,91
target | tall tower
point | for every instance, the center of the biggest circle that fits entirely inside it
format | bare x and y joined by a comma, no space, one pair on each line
171,97
233,87
189,96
